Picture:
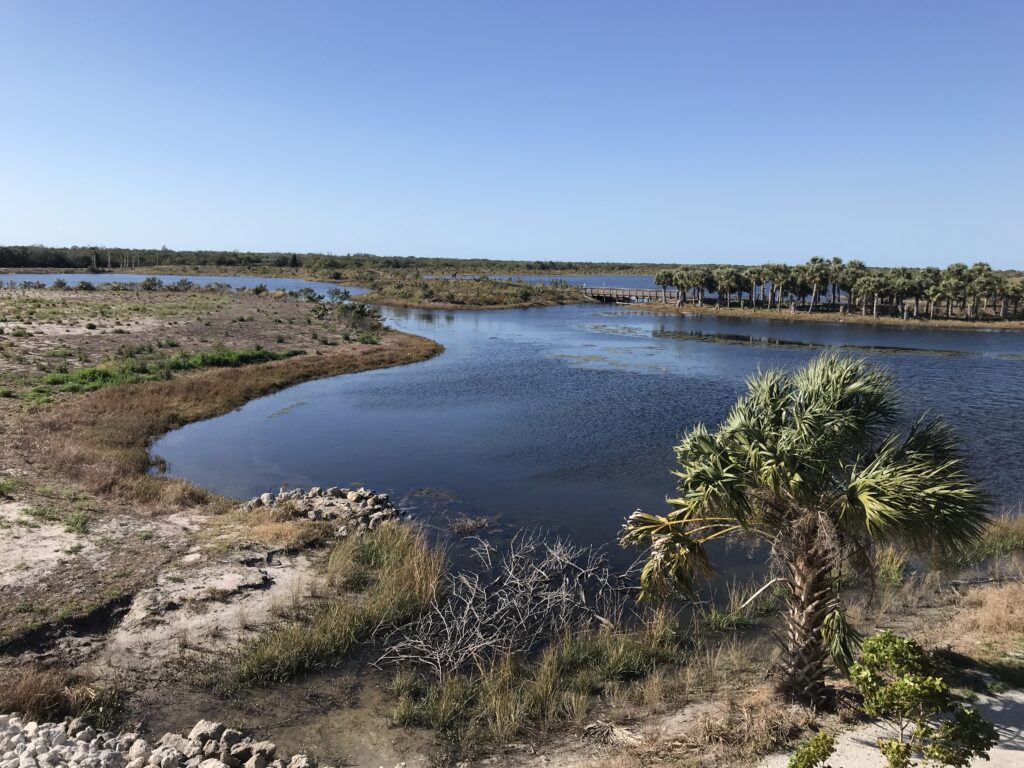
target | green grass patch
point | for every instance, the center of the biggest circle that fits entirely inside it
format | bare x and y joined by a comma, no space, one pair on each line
8,486
77,522
149,363
376,580
743,607
45,512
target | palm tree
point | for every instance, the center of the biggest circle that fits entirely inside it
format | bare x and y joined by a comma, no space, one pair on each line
836,268
806,463
725,281
664,279
816,272
852,272
749,278
935,294
683,282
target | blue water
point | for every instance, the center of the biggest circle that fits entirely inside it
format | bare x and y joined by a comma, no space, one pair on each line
566,416
235,281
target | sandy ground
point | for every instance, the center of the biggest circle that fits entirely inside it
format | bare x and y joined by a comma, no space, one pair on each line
30,547
856,748
204,604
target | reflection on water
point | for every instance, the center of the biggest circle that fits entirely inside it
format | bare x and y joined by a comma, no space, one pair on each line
768,341
566,416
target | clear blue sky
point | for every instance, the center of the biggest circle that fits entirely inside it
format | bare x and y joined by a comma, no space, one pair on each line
891,132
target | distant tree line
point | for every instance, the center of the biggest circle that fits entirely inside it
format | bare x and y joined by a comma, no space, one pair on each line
958,291
104,258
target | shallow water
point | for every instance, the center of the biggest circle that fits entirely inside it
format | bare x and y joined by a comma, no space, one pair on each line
566,416
235,281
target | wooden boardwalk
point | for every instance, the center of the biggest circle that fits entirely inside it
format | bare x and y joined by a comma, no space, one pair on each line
632,295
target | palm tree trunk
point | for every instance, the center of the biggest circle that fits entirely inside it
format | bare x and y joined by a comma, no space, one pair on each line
810,590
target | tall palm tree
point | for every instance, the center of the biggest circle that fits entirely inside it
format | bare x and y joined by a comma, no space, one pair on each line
664,278
806,463
816,272
725,281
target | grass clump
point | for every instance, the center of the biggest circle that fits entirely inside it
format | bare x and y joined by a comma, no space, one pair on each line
77,522
8,486
48,695
890,565
374,581
743,607
499,699
1004,536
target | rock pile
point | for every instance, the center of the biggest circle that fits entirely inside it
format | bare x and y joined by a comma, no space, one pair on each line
358,509
27,744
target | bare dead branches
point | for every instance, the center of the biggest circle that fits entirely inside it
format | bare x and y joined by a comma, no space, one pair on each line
517,598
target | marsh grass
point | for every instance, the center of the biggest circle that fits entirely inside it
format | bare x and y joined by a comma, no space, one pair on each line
149,363
8,486
374,581
479,292
100,440
891,565
748,726
1004,536
497,701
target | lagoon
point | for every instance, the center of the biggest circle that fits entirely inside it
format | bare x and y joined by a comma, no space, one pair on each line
566,416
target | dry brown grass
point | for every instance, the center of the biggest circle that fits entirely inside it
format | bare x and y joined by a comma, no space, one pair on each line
269,525
50,694
748,726
992,614
100,440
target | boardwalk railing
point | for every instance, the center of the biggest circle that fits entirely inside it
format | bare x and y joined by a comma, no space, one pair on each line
632,295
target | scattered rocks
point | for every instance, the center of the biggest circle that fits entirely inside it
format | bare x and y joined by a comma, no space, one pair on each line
357,509
28,744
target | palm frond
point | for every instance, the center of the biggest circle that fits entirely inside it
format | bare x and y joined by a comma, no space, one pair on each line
676,559
917,490
841,639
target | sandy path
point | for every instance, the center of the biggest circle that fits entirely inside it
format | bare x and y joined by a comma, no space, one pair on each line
856,749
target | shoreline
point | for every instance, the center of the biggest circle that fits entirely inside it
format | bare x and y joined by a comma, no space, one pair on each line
370,298
658,308
85,455
655,307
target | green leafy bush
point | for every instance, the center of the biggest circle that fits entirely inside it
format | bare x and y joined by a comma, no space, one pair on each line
931,725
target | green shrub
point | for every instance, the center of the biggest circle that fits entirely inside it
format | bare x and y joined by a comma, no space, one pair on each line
897,680
814,752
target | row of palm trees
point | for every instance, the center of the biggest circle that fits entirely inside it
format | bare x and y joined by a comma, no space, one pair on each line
958,291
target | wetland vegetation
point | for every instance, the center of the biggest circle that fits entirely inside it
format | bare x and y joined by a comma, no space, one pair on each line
478,642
